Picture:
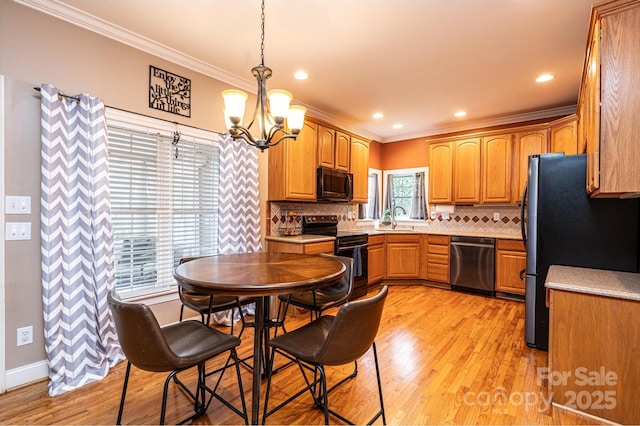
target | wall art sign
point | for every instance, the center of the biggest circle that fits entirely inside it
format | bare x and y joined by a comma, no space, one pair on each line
169,92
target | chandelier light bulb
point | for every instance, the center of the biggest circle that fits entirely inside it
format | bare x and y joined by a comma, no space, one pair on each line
295,118
279,101
234,104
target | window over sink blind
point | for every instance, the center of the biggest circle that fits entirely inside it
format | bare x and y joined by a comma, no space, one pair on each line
164,199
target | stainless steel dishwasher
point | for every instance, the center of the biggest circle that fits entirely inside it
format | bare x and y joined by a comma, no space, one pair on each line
473,264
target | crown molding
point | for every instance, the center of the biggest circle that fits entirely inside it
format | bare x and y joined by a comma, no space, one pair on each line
487,122
97,25
100,26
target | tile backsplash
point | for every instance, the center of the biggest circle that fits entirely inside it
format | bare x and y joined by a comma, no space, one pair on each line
463,219
347,214
478,219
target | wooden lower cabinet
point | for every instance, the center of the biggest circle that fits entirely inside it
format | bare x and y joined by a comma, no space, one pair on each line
303,248
511,262
403,256
593,355
377,259
438,258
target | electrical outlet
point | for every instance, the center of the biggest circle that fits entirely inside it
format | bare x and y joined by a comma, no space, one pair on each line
496,217
25,336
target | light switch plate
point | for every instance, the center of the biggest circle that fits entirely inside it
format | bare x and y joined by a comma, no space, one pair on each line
17,205
15,231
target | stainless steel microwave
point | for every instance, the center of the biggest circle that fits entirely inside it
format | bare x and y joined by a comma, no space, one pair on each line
334,185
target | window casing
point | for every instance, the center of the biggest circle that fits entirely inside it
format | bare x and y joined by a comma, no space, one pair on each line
403,190
164,199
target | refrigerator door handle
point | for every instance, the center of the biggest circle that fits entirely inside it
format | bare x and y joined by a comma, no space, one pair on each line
522,210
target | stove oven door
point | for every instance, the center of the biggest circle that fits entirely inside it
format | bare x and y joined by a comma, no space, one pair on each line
360,255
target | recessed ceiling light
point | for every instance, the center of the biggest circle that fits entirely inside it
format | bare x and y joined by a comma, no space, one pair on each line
378,115
397,126
460,113
301,75
544,78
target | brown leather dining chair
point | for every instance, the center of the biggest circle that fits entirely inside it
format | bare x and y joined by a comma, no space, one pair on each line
319,300
206,304
173,348
331,340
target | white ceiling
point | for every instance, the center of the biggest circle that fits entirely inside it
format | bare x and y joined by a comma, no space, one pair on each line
417,61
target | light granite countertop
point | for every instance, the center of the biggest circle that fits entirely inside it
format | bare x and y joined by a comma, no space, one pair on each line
621,285
307,238
301,239
429,232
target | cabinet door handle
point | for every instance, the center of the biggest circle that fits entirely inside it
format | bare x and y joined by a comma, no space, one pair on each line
523,275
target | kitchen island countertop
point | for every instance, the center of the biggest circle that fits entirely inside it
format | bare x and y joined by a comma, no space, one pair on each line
621,285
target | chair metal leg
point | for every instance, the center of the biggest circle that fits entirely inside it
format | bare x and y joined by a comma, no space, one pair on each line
124,392
213,391
164,396
321,396
381,412
325,394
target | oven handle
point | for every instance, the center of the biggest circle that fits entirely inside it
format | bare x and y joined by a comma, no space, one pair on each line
347,248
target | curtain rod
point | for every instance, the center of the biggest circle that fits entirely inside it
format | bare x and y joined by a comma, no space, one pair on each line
38,89
60,95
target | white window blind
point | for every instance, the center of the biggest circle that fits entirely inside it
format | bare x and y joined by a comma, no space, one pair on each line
164,201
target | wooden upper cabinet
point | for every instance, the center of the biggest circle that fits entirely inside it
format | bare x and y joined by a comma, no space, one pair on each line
326,147
589,110
292,167
564,136
527,143
441,173
334,149
342,152
466,168
496,168
360,170
613,151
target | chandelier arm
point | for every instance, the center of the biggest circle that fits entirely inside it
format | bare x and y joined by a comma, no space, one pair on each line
244,135
274,129
286,136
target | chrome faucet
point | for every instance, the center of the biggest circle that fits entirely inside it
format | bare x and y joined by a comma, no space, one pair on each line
394,222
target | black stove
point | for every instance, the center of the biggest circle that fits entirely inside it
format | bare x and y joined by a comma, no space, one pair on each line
327,225
353,244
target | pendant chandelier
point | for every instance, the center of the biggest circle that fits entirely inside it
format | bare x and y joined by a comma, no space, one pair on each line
272,108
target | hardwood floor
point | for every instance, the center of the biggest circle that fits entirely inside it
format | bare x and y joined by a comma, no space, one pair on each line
445,358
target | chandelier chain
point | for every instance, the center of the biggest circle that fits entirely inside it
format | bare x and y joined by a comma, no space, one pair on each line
262,35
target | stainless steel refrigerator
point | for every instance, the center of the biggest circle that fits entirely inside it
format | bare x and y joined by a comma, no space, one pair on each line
562,225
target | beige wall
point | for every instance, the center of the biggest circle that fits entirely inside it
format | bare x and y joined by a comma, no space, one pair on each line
36,48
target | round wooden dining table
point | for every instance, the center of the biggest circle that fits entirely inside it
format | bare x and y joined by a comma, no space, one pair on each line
258,275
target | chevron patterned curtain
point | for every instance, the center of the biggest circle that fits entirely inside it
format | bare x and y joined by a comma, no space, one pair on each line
76,239
239,219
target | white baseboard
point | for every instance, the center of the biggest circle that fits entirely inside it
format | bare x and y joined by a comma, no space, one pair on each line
26,374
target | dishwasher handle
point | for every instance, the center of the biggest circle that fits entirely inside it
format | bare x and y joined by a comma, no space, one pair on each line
465,244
